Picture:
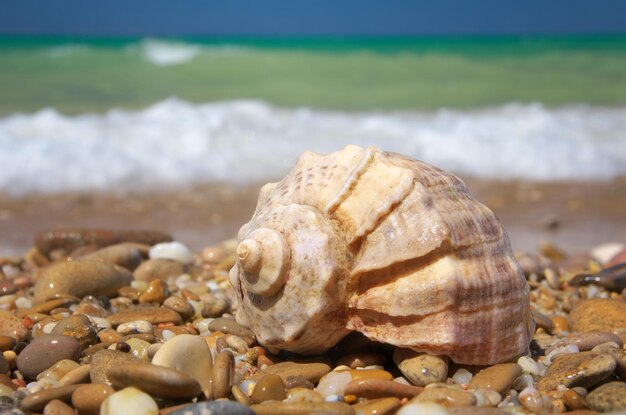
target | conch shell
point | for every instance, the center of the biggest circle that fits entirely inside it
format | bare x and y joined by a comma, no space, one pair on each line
391,247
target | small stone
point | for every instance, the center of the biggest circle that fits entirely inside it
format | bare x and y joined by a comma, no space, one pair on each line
45,351
75,376
58,370
138,347
214,307
379,388
268,388
88,398
214,407
129,401
156,293
310,371
189,354
105,359
381,406
161,269
535,401
574,401
230,326
499,377
7,343
586,341
57,407
577,369
611,279
560,324
425,408
303,395
600,314
38,400
223,374
181,306
78,327
154,315
447,397
135,327
172,250
608,397
542,321
421,369
302,408
127,255
356,360
158,381
12,326
239,396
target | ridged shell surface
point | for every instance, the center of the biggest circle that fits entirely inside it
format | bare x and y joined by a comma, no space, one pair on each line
388,246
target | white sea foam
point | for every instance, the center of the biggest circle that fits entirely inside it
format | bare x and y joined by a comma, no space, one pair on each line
174,143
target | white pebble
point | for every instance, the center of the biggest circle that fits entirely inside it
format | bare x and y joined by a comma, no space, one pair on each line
140,286
167,334
333,398
134,327
48,327
129,401
462,377
213,286
529,365
535,401
203,325
523,382
101,323
172,250
570,348
592,291
605,252
422,408
23,302
333,383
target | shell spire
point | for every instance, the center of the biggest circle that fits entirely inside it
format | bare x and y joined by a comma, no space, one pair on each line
391,247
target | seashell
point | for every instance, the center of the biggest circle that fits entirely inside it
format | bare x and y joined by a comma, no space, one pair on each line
391,247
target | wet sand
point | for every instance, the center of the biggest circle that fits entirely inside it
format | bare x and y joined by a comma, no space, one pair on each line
572,215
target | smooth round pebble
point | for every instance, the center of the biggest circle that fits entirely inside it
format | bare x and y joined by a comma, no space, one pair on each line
156,293
102,360
268,388
223,374
44,352
158,381
181,306
419,368
381,406
499,377
7,342
129,401
299,394
58,407
577,369
171,250
600,314
86,399
78,327
134,327
38,400
158,269
214,407
446,397
608,397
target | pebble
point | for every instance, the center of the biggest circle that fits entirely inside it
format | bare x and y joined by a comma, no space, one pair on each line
12,326
312,372
574,401
129,401
535,401
446,397
134,327
587,341
38,400
421,369
156,293
80,278
4,365
87,399
127,255
158,381
154,315
70,239
138,347
559,324
381,406
74,376
230,326
302,408
79,327
181,306
171,250
158,269
542,321
577,369
299,394
600,314
214,407
213,307
105,359
189,354
499,377
608,397
47,306
58,370
356,360
612,278
57,407
223,374
44,352
379,388
268,388
7,343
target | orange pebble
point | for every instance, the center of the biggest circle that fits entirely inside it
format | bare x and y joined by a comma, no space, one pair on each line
560,324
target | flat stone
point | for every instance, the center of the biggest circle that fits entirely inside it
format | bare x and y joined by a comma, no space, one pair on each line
79,327
158,269
129,401
577,369
269,388
574,401
214,407
80,278
300,394
223,374
102,360
599,314
7,343
74,376
587,341
181,306
58,407
611,279
156,293
381,406
47,306
498,377
302,408
608,397
127,255
379,388
310,371
158,381
88,398
44,352
154,315
189,354
37,401
356,360
447,397
477,411
230,326
419,368
12,326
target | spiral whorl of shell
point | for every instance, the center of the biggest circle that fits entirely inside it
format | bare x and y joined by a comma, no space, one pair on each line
385,245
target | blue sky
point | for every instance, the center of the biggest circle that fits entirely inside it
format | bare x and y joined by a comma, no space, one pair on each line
299,17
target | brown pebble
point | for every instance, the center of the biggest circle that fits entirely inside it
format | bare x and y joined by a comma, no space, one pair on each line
57,407
499,377
78,327
577,369
310,371
574,401
7,343
380,388
560,324
419,368
47,306
239,396
298,382
303,395
158,269
381,406
87,399
181,306
302,408
599,314
447,397
156,293
127,255
356,360
223,374
269,388
159,381
608,397
12,326
109,336
38,400
105,359
214,307
542,321
44,352
230,326
587,341
75,376
154,315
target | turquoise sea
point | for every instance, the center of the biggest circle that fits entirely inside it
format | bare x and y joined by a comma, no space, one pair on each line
92,113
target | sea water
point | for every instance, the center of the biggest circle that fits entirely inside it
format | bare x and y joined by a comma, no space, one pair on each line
100,114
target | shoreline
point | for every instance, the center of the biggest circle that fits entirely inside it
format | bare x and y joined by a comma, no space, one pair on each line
572,215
